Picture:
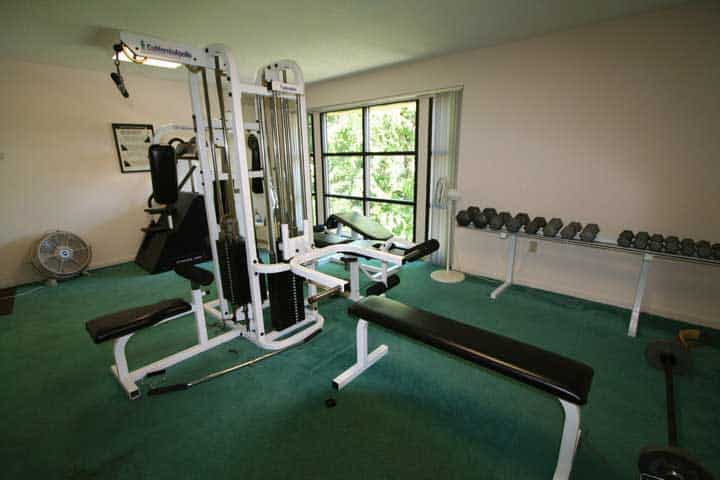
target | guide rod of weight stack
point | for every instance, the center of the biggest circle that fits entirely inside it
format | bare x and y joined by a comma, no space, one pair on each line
216,172
223,125
269,178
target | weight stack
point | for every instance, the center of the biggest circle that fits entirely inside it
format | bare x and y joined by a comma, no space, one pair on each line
234,271
287,304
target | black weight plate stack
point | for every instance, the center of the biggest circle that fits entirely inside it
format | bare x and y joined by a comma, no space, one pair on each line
704,250
498,221
513,225
570,230
463,218
590,232
672,244
625,239
536,224
641,240
657,242
553,227
687,247
480,220
473,212
516,223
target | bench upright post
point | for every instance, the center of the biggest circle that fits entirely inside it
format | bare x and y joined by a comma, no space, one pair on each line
570,439
363,359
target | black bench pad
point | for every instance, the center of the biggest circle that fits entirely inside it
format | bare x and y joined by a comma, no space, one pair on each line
367,227
128,321
547,371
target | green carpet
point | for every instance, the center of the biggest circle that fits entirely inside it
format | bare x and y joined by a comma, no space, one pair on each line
418,413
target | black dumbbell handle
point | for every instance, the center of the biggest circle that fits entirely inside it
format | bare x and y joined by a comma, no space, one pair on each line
668,363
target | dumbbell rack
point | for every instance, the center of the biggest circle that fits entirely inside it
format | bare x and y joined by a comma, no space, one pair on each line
647,257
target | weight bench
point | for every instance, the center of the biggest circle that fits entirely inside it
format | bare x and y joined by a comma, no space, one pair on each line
121,326
569,381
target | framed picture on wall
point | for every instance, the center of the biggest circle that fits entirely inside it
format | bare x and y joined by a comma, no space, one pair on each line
132,141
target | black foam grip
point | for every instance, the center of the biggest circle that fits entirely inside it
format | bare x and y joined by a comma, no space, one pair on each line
378,288
421,249
120,84
163,172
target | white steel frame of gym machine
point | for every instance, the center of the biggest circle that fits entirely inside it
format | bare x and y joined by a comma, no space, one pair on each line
285,173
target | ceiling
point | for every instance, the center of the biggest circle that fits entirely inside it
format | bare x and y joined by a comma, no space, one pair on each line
328,38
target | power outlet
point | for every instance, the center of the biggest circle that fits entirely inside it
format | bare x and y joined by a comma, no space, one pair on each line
533,246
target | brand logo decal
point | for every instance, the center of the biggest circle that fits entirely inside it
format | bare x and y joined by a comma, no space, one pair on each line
170,52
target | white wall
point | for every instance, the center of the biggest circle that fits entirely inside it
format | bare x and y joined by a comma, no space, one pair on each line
615,123
58,165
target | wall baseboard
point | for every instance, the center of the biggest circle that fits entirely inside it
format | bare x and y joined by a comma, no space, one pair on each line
31,276
662,312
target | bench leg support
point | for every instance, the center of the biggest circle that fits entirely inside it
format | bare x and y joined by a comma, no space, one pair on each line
364,360
120,369
569,442
510,269
639,293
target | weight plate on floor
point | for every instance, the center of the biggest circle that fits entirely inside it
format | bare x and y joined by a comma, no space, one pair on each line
655,351
670,463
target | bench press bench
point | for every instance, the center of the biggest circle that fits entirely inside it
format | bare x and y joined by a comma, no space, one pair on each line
567,380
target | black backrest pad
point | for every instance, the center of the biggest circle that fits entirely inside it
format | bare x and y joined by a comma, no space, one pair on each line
128,321
548,371
367,227
163,173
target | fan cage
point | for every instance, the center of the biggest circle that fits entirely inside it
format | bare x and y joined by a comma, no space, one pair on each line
61,255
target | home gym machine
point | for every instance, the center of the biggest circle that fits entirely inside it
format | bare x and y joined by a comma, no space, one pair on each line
287,285
670,462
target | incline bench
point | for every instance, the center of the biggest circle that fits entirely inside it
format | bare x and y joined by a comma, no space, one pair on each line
366,232
561,377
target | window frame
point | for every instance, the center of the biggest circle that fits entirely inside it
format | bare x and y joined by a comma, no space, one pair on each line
313,171
365,154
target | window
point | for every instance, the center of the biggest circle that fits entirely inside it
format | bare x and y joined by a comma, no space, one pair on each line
369,161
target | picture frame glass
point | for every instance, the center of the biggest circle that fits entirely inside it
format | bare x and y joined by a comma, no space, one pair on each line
132,141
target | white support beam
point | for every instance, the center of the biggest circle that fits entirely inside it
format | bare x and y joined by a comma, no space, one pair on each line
510,268
639,294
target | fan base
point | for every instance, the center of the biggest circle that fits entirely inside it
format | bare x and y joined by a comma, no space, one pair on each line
447,276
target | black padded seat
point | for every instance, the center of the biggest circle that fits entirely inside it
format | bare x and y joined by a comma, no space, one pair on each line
547,371
323,239
128,321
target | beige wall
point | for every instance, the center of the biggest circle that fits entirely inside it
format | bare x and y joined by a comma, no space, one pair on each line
616,123
58,166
